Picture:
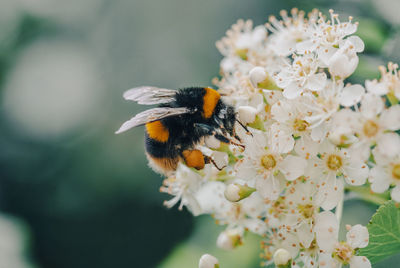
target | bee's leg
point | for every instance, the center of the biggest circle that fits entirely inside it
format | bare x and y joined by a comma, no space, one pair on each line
208,159
244,127
226,140
236,136
207,130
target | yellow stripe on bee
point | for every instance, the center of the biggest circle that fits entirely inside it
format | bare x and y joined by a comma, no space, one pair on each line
157,131
194,158
210,100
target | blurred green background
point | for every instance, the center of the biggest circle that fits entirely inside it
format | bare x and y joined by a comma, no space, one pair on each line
73,194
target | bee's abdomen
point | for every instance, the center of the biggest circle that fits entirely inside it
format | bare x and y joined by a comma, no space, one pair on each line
161,155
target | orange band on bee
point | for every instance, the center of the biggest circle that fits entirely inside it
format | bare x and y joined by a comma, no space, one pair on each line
210,100
194,158
157,131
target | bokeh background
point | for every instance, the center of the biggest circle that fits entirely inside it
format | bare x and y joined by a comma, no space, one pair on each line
73,194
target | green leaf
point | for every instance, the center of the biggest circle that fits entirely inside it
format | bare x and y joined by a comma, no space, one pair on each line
384,233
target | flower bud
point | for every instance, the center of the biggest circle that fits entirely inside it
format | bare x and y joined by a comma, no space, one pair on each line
229,239
282,258
257,75
208,261
260,79
235,192
247,114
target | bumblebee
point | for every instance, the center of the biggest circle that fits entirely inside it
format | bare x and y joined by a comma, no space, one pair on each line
183,117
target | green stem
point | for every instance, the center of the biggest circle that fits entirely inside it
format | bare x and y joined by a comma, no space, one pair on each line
339,209
364,193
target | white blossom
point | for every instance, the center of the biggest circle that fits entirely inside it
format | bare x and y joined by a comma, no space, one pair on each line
303,135
208,261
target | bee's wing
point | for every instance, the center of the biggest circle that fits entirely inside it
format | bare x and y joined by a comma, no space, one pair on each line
151,115
150,95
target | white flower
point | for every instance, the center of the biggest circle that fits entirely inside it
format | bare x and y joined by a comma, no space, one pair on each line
334,162
301,75
388,83
290,116
282,257
208,261
387,169
326,230
183,186
342,253
323,107
230,239
288,32
267,167
371,125
327,37
308,134
241,38
345,60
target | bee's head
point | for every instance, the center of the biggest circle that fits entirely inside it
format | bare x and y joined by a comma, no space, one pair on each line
226,116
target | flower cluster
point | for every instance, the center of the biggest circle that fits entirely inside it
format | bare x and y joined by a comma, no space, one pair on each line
311,135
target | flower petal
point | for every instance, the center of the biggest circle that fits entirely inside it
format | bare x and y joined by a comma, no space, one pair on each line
268,188
292,91
281,138
326,230
293,167
351,95
359,262
395,194
356,172
376,88
329,196
371,105
390,118
389,144
358,236
379,179
316,82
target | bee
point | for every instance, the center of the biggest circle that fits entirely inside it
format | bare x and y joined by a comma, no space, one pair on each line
182,119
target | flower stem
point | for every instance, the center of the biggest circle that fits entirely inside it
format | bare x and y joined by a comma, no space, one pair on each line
339,209
364,193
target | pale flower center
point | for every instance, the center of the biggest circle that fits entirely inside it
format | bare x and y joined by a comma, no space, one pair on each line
268,161
396,171
300,125
242,53
334,162
343,252
370,128
306,210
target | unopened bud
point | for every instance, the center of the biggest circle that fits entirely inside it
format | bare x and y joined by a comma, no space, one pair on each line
229,239
260,79
257,75
282,258
247,114
235,192
208,261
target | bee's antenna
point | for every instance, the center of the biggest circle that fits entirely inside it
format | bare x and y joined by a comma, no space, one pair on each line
244,127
